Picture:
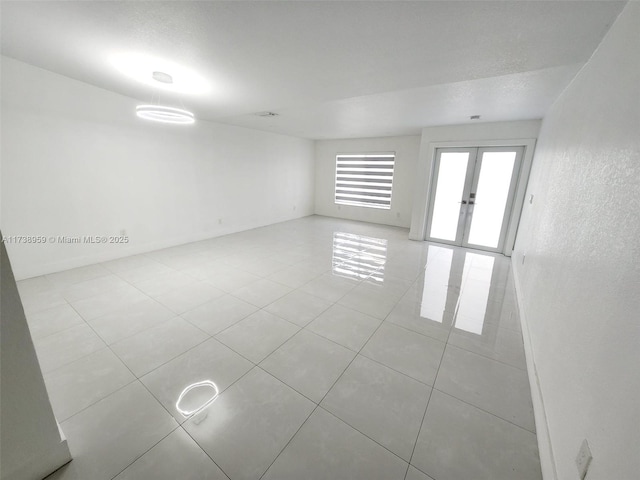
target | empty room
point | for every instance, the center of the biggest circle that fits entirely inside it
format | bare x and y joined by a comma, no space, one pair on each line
304,240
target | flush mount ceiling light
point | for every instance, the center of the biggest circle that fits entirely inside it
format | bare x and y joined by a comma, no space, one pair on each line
159,113
143,68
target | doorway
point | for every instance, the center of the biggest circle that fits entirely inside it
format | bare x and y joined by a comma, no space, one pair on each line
472,196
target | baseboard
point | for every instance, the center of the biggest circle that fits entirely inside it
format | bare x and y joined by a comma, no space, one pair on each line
545,448
23,272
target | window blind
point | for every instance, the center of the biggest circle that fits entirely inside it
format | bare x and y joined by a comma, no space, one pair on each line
365,180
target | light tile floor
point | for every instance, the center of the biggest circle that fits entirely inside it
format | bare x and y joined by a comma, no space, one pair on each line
340,350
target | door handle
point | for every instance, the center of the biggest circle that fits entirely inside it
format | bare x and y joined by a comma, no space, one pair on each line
463,202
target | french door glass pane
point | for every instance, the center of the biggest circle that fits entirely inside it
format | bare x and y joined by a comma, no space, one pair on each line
449,189
492,193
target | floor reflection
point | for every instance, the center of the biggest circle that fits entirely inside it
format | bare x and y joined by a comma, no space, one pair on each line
436,283
358,256
472,305
196,397
469,286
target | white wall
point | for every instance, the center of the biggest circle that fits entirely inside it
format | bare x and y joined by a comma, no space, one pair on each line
475,134
31,442
406,149
579,286
77,161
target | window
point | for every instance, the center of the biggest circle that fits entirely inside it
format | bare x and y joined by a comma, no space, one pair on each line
365,180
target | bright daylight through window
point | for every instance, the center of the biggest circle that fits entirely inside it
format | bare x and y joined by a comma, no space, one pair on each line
365,180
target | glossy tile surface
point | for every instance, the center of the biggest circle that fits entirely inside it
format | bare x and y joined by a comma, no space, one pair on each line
259,414
309,363
345,326
488,384
486,447
126,322
79,384
53,320
66,346
415,355
186,298
151,348
326,448
339,350
109,435
258,335
210,360
414,474
385,405
177,456
219,314
261,292
298,307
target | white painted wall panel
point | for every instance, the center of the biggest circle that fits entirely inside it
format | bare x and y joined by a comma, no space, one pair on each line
32,446
580,282
77,161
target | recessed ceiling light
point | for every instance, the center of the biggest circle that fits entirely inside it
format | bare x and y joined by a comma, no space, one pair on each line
474,117
159,113
151,71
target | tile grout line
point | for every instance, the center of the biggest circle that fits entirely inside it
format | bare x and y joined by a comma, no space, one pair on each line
258,365
321,400
424,415
136,379
139,379
485,411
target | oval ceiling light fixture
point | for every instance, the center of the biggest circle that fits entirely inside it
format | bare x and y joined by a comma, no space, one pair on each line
159,113
143,68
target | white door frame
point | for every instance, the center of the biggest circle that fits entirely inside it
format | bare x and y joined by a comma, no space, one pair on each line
521,188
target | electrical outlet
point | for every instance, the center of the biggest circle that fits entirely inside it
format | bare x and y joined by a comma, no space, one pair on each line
583,460
123,233
294,207
398,214
219,221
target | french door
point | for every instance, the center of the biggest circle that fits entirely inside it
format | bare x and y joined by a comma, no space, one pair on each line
472,196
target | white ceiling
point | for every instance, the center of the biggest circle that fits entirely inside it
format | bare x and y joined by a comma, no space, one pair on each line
330,69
